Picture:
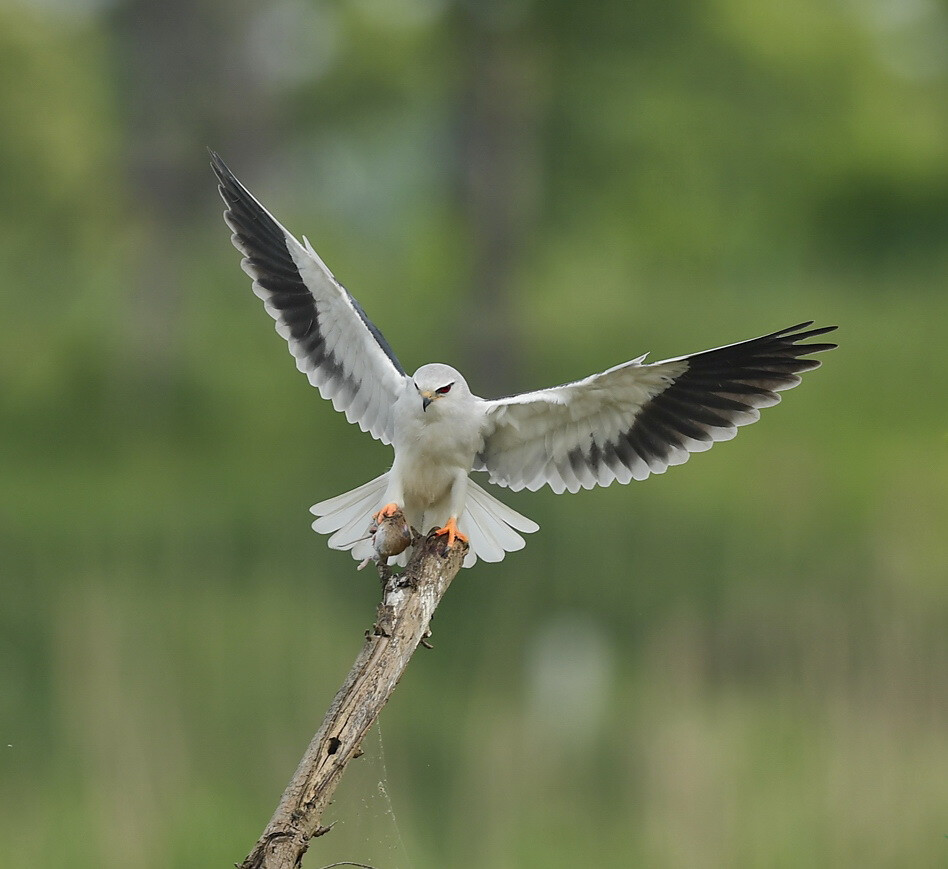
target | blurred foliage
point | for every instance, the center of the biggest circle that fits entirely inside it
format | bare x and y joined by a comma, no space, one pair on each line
740,664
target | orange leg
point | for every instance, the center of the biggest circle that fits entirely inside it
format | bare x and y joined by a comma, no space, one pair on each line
388,510
451,529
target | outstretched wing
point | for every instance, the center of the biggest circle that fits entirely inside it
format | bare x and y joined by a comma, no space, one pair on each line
334,343
636,419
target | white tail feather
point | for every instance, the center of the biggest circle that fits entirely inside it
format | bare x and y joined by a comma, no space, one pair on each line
490,525
483,545
337,512
499,509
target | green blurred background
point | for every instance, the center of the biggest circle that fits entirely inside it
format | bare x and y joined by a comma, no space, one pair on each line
742,663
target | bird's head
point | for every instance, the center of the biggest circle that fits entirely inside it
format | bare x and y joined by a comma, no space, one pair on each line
438,383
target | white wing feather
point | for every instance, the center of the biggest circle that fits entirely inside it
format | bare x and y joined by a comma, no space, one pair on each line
637,419
334,343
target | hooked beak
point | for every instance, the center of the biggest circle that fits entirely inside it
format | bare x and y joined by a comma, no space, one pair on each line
426,399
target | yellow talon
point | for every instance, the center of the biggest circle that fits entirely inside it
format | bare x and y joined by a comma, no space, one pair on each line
388,510
451,529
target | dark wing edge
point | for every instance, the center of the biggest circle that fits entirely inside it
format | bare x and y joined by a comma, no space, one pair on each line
721,389
329,365
688,411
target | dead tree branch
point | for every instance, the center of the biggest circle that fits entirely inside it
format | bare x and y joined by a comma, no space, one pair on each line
408,602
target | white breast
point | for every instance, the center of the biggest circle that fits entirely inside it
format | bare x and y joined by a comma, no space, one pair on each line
432,446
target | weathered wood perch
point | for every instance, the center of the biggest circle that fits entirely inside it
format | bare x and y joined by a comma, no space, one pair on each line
408,602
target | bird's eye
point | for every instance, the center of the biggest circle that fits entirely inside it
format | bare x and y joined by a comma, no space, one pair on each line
444,390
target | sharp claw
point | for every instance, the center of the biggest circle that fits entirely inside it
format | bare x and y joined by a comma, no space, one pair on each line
451,529
388,510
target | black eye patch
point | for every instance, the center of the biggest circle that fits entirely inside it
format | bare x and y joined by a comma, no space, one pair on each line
444,390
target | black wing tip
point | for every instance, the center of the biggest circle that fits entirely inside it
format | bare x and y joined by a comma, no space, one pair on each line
801,332
218,165
227,181
802,328
241,202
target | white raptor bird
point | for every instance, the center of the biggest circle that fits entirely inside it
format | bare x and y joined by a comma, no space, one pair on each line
619,425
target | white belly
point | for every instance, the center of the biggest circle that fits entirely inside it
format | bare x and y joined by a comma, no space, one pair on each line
429,459
431,450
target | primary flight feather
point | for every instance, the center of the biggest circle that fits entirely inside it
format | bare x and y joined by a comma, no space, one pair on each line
622,424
